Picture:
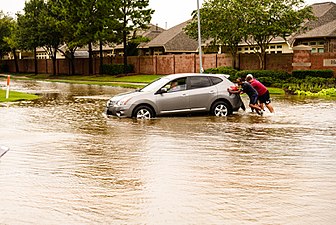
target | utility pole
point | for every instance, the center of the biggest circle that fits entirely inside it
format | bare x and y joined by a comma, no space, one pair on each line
199,37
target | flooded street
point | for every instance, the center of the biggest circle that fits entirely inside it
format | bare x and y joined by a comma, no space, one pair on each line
70,164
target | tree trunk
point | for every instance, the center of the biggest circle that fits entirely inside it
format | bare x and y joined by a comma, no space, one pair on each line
54,61
125,51
90,59
72,59
35,62
16,61
101,57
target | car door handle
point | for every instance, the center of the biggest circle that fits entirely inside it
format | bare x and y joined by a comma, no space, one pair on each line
184,95
212,92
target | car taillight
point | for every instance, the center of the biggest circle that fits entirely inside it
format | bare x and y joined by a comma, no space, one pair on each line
233,88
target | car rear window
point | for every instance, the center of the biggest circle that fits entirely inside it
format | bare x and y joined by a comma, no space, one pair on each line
216,80
199,82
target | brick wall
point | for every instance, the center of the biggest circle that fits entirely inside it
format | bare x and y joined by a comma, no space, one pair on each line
168,64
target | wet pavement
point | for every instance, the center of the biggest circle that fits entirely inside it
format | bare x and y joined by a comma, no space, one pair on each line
70,164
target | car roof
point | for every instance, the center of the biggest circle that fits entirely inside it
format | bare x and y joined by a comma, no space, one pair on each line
178,75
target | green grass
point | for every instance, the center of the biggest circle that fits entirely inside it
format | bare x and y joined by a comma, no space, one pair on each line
96,78
134,81
276,91
16,96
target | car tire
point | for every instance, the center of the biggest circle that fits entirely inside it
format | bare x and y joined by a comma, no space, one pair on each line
143,112
221,109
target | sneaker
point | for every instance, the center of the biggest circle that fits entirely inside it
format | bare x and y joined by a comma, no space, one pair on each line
260,112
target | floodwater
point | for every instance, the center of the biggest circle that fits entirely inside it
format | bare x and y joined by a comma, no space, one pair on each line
70,164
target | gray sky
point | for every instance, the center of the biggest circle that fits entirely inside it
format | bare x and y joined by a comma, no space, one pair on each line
168,13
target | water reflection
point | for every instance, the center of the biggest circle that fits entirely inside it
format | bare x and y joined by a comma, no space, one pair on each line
70,164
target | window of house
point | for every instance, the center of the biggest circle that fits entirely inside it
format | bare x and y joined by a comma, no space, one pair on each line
314,50
321,43
279,52
246,49
279,46
305,43
239,49
272,46
320,50
252,48
312,43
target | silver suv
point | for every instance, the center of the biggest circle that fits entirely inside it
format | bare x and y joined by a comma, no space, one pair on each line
177,94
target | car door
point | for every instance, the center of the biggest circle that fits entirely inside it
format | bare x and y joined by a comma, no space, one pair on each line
176,98
201,93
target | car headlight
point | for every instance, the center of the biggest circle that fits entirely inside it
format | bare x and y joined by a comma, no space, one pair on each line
123,101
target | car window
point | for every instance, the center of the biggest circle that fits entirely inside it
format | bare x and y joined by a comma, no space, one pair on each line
176,85
199,82
216,80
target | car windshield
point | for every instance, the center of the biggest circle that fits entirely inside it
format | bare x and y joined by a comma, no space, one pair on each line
155,85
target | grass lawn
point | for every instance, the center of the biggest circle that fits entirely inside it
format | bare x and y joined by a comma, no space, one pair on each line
131,81
16,96
276,91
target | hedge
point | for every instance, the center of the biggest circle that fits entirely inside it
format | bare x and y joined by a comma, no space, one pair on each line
4,68
116,69
302,74
223,70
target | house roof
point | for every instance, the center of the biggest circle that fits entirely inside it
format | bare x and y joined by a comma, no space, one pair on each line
152,32
174,40
320,9
323,26
326,30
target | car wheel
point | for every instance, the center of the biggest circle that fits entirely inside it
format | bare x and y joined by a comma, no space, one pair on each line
221,109
143,112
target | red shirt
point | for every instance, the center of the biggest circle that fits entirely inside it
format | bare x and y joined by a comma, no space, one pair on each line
261,89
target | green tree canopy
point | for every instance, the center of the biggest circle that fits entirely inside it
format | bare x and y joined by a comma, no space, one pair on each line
257,22
6,23
133,14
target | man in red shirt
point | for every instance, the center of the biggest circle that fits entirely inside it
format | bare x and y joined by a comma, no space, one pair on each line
263,93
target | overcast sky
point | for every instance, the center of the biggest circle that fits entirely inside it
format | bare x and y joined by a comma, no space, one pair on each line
168,13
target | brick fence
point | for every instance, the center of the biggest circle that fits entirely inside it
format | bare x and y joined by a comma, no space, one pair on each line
302,58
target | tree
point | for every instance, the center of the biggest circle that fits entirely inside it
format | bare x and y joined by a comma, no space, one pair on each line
257,22
98,23
50,37
133,14
221,22
68,21
268,19
28,29
5,31
12,41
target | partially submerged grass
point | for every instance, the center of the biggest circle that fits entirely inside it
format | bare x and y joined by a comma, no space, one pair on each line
131,81
16,96
276,91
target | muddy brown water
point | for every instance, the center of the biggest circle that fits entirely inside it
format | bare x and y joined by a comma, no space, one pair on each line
70,164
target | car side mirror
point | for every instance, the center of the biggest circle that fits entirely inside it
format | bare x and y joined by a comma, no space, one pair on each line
162,90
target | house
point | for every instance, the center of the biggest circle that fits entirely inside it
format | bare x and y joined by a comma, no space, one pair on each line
321,35
171,41
151,33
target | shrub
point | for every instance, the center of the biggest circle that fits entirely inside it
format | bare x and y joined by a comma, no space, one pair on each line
223,70
302,74
116,69
264,73
4,68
